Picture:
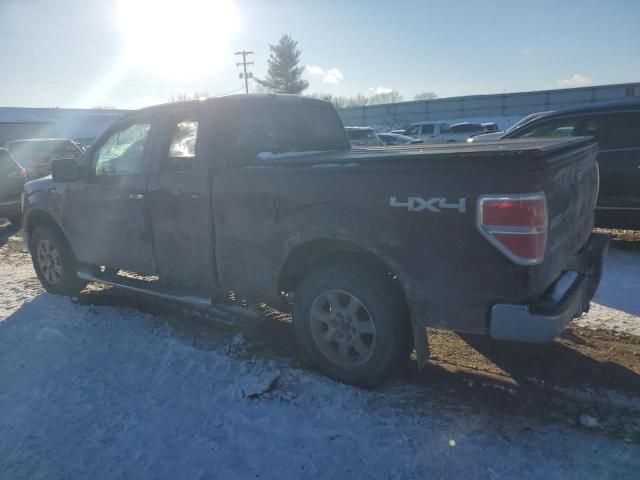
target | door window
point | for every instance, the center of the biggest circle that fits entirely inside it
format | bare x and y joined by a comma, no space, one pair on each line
182,149
123,152
427,129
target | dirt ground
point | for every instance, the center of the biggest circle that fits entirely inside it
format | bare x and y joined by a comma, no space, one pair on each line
584,372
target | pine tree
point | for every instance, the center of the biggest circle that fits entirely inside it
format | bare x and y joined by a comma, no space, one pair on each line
284,72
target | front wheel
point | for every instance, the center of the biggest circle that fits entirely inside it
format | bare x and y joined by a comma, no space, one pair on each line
54,262
351,323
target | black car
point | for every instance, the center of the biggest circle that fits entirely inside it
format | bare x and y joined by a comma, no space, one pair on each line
36,154
12,180
616,127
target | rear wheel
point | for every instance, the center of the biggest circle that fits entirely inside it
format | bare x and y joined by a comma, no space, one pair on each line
54,262
351,323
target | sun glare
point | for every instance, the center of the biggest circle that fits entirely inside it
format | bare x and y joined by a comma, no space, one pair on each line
182,38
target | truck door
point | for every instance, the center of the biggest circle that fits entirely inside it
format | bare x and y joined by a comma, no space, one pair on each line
106,214
178,200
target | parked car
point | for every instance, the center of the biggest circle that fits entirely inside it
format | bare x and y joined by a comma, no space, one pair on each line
12,180
397,139
489,127
363,137
36,154
616,128
443,132
262,195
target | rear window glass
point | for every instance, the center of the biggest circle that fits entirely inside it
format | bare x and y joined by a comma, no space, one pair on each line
279,129
361,134
465,128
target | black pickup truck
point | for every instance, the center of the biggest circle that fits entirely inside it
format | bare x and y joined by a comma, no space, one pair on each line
261,195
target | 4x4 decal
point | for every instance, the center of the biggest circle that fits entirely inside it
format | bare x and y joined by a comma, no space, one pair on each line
436,204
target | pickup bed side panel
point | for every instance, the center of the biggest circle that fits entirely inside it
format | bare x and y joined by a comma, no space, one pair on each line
418,217
443,262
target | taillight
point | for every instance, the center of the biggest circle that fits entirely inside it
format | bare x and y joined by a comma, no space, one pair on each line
516,225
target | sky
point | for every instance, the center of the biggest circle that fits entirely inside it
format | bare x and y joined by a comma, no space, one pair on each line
133,53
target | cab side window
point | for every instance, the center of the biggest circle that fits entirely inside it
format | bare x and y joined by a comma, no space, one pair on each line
182,148
412,131
427,129
123,152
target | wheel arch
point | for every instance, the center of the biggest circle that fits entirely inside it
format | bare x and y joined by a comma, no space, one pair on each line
35,217
312,254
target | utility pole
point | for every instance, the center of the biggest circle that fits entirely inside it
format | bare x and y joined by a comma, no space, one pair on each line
244,63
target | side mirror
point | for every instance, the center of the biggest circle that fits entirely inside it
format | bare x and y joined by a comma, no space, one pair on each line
64,170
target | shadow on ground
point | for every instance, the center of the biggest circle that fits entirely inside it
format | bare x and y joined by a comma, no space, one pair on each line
558,382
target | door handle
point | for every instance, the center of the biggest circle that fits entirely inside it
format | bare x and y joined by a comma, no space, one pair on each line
136,196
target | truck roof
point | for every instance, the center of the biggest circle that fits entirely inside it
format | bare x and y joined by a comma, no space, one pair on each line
244,99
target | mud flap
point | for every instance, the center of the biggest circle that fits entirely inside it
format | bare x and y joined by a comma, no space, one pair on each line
420,343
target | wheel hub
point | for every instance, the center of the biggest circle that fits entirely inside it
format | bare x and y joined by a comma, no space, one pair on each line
342,328
49,261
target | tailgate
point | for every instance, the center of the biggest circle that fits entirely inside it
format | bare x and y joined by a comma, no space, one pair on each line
571,188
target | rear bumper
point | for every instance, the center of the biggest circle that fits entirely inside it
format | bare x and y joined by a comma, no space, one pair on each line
566,299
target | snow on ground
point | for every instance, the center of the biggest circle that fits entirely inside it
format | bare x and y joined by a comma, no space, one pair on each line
616,305
107,392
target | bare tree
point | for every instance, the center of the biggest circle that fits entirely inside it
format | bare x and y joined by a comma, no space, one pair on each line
357,101
425,96
387,97
182,97
338,101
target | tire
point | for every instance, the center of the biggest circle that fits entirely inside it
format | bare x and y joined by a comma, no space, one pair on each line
366,336
54,262
16,220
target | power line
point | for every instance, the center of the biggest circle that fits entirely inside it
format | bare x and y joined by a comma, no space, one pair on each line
244,64
79,82
59,37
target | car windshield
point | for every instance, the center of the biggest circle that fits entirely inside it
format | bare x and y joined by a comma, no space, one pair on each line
357,134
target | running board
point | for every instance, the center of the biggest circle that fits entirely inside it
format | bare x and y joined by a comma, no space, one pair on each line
114,281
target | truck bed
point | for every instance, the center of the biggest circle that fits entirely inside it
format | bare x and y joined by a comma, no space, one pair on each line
446,265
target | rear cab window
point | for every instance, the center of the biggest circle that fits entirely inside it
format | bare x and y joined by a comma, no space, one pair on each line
265,131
